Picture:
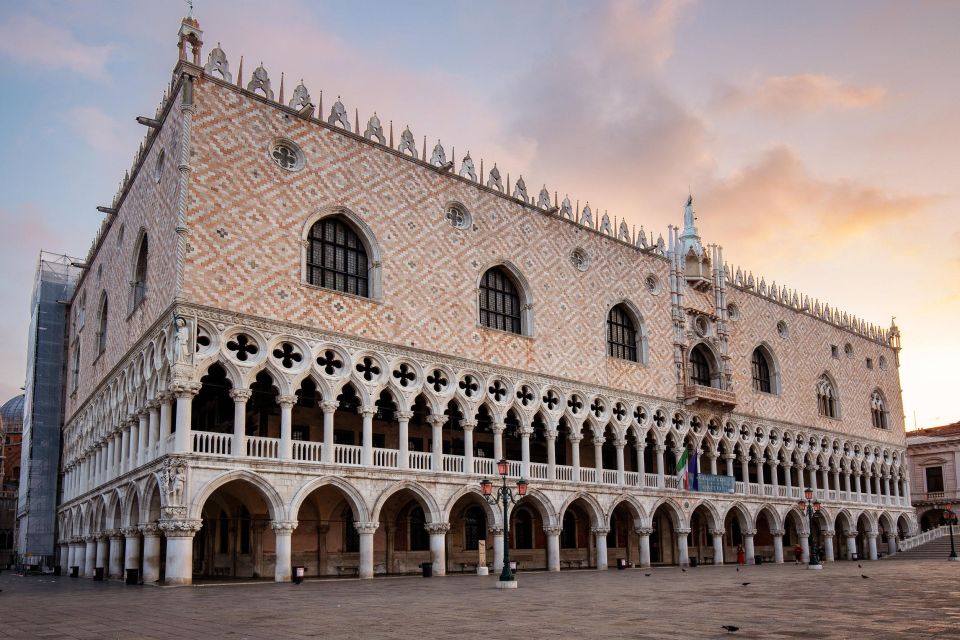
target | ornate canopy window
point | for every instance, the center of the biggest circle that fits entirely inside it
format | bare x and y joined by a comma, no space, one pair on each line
827,401
139,283
336,257
878,410
621,334
762,380
701,372
499,301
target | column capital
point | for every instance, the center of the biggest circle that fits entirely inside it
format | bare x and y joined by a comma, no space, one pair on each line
150,529
749,532
434,528
872,535
164,397
241,395
526,431
729,456
600,531
366,527
466,425
552,530
683,531
498,427
185,389
827,534
329,406
644,531
717,532
777,532
368,411
850,533
180,528
403,415
130,532
281,526
114,534
144,414
497,530
153,405
437,421
620,443
286,401
659,448
90,539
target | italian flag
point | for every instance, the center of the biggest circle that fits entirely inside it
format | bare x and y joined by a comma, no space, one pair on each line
682,469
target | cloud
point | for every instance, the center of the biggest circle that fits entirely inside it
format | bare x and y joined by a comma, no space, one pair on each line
30,41
98,129
800,93
777,195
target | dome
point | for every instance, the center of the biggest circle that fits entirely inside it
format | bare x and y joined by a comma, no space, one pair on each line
11,415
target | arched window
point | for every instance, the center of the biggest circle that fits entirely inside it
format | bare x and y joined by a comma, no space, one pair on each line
761,371
878,410
700,371
102,326
419,540
827,401
499,301
351,539
139,282
621,334
523,530
474,528
336,257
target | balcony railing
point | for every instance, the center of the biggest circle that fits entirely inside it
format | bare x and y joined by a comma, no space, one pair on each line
222,445
711,395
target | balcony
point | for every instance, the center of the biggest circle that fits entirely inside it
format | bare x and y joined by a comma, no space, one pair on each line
721,398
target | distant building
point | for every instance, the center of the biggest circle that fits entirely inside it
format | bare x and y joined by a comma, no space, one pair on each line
934,462
11,431
43,409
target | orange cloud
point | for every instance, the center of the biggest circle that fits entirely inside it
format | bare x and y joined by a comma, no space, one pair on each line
800,93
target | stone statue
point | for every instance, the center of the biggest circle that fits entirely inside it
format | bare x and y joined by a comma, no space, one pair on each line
181,344
688,214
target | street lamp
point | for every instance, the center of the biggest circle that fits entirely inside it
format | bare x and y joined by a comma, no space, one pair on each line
504,495
951,519
810,507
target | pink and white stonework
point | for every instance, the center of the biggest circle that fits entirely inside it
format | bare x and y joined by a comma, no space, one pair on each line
259,422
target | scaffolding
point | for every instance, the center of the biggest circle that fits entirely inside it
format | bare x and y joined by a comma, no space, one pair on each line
54,284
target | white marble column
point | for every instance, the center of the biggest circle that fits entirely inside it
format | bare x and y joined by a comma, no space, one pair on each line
131,548
872,544
748,545
659,449
551,435
436,441
891,543
151,552
124,448
286,403
575,456
621,471
135,423
745,473
64,557
553,547
851,542
144,433
777,545
365,530
329,408
761,463
717,535
641,463
103,553
828,546
683,546
496,535
468,426
183,440
165,400
713,463
598,455
498,428
644,533
805,548
116,554
787,473
283,533
366,453
89,556
525,432
179,534
438,546
240,397
600,535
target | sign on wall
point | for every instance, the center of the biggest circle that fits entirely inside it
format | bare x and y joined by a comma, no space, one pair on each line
716,484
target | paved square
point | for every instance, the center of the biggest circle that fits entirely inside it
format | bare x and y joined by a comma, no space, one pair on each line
900,599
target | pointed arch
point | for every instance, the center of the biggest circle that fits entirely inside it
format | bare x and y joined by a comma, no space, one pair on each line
431,509
765,369
674,510
703,366
596,512
626,332
138,279
268,493
505,298
494,516
632,504
338,236
353,497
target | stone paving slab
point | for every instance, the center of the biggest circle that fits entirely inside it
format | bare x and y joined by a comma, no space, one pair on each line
909,599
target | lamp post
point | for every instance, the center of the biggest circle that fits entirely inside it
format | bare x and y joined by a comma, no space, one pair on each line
951,518
810,507
505,497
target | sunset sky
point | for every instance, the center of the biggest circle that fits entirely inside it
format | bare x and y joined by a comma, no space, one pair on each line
820,139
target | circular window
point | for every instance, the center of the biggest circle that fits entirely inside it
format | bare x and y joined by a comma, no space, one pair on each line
580,259
286,154
158,168
458,217
782,329
883,362
733,311
701,325
652,284
848,349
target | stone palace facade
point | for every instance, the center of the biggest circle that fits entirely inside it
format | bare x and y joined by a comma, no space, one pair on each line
298,342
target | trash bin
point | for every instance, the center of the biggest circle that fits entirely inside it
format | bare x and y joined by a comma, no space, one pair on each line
75,572
298,574
98,574
694,562
621,563
758,560
854,556
427,568
57,570
133,576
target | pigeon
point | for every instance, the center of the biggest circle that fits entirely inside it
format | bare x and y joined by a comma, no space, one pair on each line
647,575
859,566
744,583
682,569
730,628
864,577
738,569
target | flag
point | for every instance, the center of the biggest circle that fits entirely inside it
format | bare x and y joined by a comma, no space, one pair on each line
694,471
682,469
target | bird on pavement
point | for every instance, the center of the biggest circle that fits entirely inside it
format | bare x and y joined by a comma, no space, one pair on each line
683,570
859,566
647,575
730,628
738,569
864,577
744,583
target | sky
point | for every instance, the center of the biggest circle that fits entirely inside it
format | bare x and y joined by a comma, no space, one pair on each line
819,139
